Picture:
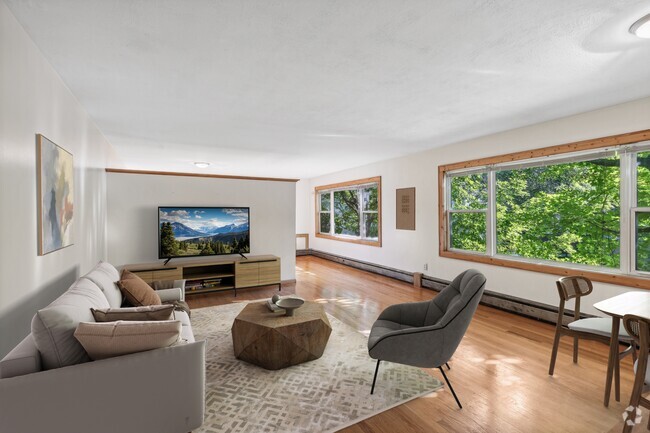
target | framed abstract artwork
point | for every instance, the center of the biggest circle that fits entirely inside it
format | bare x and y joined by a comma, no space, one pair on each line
55,185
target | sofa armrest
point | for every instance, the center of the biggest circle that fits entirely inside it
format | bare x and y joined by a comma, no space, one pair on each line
157,391
174,294
164,285
23,359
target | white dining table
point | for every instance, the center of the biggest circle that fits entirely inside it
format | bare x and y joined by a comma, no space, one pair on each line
635,302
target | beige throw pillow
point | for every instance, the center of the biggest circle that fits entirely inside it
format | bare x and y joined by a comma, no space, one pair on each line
105,340
136,291
150,312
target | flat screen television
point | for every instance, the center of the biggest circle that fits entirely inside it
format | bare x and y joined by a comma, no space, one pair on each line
202,231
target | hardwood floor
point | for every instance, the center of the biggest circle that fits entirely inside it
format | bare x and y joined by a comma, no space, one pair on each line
500,370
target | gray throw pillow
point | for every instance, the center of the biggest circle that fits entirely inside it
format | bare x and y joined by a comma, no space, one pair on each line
150,312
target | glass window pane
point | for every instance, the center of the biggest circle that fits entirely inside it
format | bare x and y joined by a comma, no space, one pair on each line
564,212
346,212
371,225
643,242
325,201
643,179
370,201
469,192
325,222
467,231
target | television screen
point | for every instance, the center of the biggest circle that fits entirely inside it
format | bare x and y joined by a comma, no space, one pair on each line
202,231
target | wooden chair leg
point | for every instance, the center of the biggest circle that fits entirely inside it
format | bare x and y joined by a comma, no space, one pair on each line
617,380
635,399
575,350
556,345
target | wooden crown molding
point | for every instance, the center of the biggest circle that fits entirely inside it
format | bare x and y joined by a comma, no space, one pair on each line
212,176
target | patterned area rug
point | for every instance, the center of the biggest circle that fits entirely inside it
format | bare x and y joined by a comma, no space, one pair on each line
324,395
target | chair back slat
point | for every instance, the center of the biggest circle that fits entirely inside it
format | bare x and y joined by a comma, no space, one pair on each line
574,287
638,327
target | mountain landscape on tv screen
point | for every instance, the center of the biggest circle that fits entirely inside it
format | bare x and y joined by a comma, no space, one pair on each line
203,231
182,232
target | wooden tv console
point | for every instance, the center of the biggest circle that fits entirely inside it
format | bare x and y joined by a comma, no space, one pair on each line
214,274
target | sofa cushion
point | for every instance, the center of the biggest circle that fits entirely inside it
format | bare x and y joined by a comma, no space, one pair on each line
136,291
53,327
150,312
105,340
105,276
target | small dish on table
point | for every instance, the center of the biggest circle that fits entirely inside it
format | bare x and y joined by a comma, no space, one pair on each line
290,304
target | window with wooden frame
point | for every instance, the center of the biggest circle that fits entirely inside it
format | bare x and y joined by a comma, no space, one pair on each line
350,211
575,209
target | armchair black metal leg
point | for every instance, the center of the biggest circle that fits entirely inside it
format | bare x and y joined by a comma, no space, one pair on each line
450,387
448,367
372,390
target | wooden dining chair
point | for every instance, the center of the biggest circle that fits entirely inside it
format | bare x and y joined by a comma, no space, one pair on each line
639,329
594,328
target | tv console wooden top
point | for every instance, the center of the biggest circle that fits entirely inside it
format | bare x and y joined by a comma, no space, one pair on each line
181,262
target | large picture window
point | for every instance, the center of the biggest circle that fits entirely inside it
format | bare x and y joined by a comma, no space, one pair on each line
350,211
584,206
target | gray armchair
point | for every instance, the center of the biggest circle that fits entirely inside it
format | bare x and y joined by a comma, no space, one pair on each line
426,334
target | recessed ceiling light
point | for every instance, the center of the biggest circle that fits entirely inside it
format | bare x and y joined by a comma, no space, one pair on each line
200,164
641,28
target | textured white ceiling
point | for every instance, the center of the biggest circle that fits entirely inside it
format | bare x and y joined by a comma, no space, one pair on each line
301,88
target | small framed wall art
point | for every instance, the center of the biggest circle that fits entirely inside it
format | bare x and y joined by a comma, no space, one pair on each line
405,207
55,186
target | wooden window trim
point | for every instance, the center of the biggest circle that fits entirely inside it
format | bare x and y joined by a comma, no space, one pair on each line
604,277
351,183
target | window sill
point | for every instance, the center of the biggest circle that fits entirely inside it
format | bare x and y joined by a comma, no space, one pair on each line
351,240
603,277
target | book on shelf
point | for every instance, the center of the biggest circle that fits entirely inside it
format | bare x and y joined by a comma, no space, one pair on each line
212,281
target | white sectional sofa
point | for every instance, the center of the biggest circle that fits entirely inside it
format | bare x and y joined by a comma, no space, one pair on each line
156,391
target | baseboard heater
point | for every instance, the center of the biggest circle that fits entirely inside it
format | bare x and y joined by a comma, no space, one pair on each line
512,304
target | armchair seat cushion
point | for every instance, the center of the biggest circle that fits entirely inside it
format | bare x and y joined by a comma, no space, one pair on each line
599,326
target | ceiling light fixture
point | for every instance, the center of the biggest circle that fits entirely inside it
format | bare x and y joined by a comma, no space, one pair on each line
200,164
641,28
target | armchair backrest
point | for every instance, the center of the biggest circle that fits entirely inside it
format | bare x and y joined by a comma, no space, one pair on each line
454,307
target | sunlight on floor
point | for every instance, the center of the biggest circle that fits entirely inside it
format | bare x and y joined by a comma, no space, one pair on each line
340,301
435,393
496,359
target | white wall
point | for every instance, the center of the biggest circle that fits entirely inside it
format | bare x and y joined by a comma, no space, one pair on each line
33,99
304,219
133,201
410,250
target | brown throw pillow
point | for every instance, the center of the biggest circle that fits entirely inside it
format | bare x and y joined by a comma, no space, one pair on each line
136,291
150,312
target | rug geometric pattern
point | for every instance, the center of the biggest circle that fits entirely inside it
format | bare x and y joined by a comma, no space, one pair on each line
323,395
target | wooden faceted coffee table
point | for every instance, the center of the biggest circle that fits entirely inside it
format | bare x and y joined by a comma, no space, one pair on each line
274,341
